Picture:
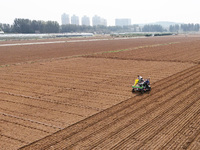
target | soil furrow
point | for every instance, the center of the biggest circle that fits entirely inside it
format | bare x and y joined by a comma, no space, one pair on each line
18,124
39,107
195,144
150,130
106,129
110,111
34,117
186,135
32,121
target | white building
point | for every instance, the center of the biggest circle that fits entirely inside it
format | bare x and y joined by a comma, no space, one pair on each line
65,19
85,21
122,22
75,20
96,20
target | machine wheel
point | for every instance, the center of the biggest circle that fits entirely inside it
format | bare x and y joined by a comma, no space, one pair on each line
142,91
133,91
149,88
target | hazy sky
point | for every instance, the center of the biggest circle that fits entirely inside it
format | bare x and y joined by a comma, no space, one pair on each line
139,11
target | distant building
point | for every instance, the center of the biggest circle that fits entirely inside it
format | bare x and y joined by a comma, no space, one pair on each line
75,20
65,19
96,20
103,22
122,22
85,21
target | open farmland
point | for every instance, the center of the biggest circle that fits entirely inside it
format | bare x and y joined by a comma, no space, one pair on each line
77,94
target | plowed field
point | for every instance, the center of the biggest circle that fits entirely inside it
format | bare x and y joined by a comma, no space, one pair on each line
77,95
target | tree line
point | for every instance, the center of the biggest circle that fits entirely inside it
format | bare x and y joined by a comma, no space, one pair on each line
184,27
29,26
34,26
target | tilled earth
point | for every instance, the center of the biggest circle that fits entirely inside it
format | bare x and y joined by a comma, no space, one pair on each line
81,97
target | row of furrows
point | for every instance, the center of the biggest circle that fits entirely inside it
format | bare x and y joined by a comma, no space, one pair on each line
20,131
11,138
45,101
17,113
74,86
152,128
49,78
186,135
161,55
195,144
137,123
67,86
72,100
84,77
61,112
91,121
146,59
186,54
79,54
167,52
116,126
110,89
68,96
31,121
63,99
91,73
25,126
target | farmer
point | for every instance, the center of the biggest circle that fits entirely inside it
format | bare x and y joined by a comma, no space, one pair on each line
136,82
140,79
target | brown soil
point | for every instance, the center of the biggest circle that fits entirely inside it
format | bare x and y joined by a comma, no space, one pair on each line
31,53
86,103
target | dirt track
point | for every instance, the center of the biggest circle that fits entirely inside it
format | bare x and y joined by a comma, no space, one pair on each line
86,102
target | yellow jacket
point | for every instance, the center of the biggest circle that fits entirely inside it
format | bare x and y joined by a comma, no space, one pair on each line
136,82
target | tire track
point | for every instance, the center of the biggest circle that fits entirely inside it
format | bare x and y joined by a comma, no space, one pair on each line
18,124
40,107
21,141
30,115
50,101
32,121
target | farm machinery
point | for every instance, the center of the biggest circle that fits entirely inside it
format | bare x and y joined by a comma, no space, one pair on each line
142,87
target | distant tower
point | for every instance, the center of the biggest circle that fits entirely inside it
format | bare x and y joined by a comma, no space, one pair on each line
85,21
103,22
122,22
65,19
75,20
96,20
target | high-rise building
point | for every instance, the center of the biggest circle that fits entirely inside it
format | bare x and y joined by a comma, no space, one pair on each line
75,20
96,20
103,22
122,22
85,21
65,19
